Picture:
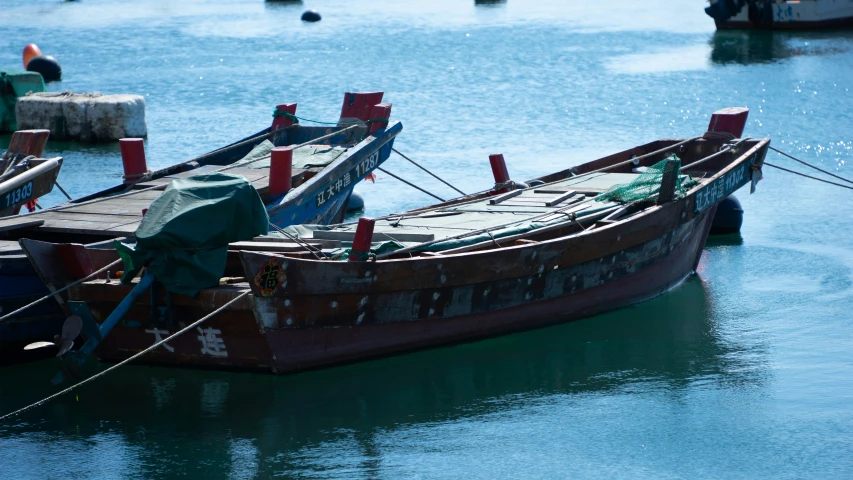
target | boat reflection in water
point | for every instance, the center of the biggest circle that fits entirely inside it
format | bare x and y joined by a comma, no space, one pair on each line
489,3
670,343
745,47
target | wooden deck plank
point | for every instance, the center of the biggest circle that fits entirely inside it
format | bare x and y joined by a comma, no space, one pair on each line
127,229
9,246
85,227
26,223
118,215
133,208
272,246
504,197
87,217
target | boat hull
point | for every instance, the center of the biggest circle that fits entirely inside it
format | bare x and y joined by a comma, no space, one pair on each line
307,313
798,15
20,286
299,349
301,205
253,334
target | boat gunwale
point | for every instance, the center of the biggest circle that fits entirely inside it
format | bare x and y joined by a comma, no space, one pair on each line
689,195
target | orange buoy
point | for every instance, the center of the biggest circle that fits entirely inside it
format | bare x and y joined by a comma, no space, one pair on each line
31,51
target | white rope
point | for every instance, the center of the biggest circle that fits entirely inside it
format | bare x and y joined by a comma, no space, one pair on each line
77,282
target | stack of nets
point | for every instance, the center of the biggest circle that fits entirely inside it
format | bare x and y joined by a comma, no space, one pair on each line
647,186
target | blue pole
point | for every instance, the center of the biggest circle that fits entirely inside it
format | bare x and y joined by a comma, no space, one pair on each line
120,311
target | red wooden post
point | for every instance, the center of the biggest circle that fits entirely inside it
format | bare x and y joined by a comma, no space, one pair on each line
727,123
280,121
499,171
281,170
28,142
133,158
357,106
363,238
379,111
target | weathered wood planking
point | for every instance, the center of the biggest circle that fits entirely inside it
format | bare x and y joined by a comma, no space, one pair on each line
71,215
120,215
89,228
9,246
23,223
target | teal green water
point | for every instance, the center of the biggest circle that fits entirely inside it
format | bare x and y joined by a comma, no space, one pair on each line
743,371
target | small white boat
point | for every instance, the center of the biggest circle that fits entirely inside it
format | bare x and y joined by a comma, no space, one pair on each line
781,15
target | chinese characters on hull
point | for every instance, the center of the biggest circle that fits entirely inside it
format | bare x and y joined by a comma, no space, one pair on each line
722,187
211,342
337,186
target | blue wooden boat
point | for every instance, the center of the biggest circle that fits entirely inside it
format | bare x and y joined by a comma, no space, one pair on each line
327,162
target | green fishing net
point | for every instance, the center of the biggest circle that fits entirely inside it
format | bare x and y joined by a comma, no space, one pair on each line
647,185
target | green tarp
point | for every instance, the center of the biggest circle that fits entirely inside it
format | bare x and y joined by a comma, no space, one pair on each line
185,234
12,86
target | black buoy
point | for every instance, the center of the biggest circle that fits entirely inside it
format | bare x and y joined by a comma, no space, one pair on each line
47,66
356,202
311,16
729,217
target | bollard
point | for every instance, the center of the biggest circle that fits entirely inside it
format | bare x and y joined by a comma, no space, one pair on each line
281,121
499,171
727,123
380,112
281,170
133,158
363,237
357,106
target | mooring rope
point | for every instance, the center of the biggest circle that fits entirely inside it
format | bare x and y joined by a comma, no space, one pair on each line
810,165
76,282
426,170
410,184
301,145
277,113
62,190
298,241
128,360
808,176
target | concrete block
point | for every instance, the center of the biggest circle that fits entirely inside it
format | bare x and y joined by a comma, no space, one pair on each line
86,117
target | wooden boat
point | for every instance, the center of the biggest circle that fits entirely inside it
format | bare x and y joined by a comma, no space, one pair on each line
780,15
329,162
24,177
569,245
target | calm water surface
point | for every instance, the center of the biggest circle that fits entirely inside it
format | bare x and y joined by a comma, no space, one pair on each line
743,371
